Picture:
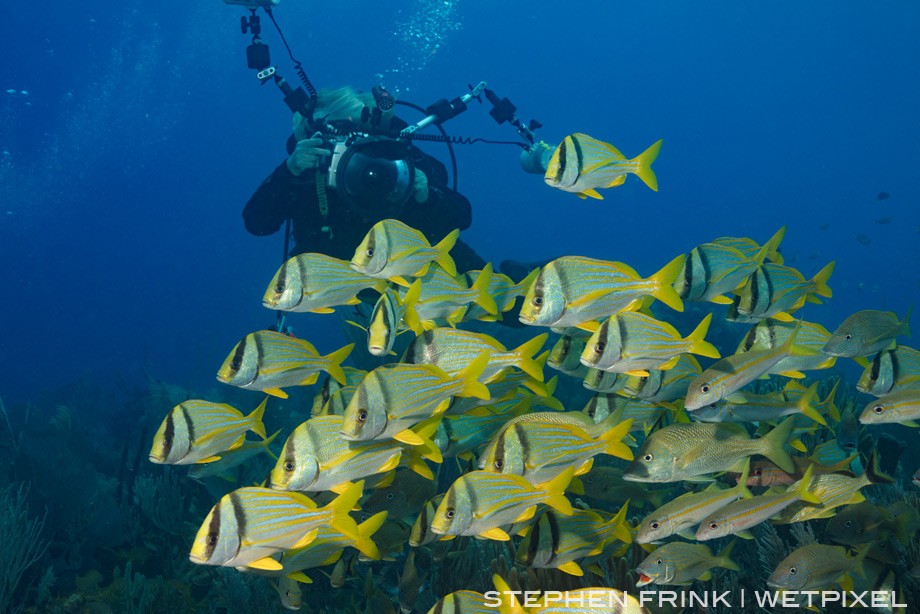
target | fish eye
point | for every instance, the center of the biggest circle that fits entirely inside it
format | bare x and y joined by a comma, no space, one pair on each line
705,388
370,252
289,466
878,409
713,525
849,337
389,496
658,562
450,513
849,524
236,364
279,288
212,539
647,458
654,524
537,301
362,415
499,464
792,571
599,347
758,472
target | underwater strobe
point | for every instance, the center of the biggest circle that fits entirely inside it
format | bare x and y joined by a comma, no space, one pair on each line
258,58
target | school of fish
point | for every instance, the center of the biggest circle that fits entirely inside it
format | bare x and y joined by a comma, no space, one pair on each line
670,453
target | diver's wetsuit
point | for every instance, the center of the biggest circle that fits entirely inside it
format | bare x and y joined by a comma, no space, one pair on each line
284,195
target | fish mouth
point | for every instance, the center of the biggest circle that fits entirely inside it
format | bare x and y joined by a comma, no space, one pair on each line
525,319
643,580
157,458
198,560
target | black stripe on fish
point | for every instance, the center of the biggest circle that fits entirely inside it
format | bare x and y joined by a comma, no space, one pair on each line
533,546
290,454
566,347
190,427
591,407
579,157
282,280
755,291
169,434
371,243
499,455
412,355
260,353
624,337
213,532
750,338
895,365
553,534
539,286
239,514
563,160
687,284
237,363
601,344
525,445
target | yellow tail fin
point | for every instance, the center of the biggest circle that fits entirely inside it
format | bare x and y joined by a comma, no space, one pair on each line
774,444
481,285
698,343
806,405
427,449
613,439
665,279
470,374
334,366
772,246
804,484
342,505
525,355
256,418
644,165
444,246
723,560
366,529
555,492
269,441
619,526
820,280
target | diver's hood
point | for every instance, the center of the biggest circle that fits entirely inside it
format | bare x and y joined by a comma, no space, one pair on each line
376,176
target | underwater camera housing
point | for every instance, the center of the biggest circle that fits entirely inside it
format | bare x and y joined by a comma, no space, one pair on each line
371,173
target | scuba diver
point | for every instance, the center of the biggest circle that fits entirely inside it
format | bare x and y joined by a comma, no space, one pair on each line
335,195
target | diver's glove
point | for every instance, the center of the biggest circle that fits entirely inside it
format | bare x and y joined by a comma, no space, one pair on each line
421,187
307,155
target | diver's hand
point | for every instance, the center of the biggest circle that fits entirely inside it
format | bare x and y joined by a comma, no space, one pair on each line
307,155
421,187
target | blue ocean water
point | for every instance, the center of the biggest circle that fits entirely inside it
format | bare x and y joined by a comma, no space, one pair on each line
143,133
132,133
